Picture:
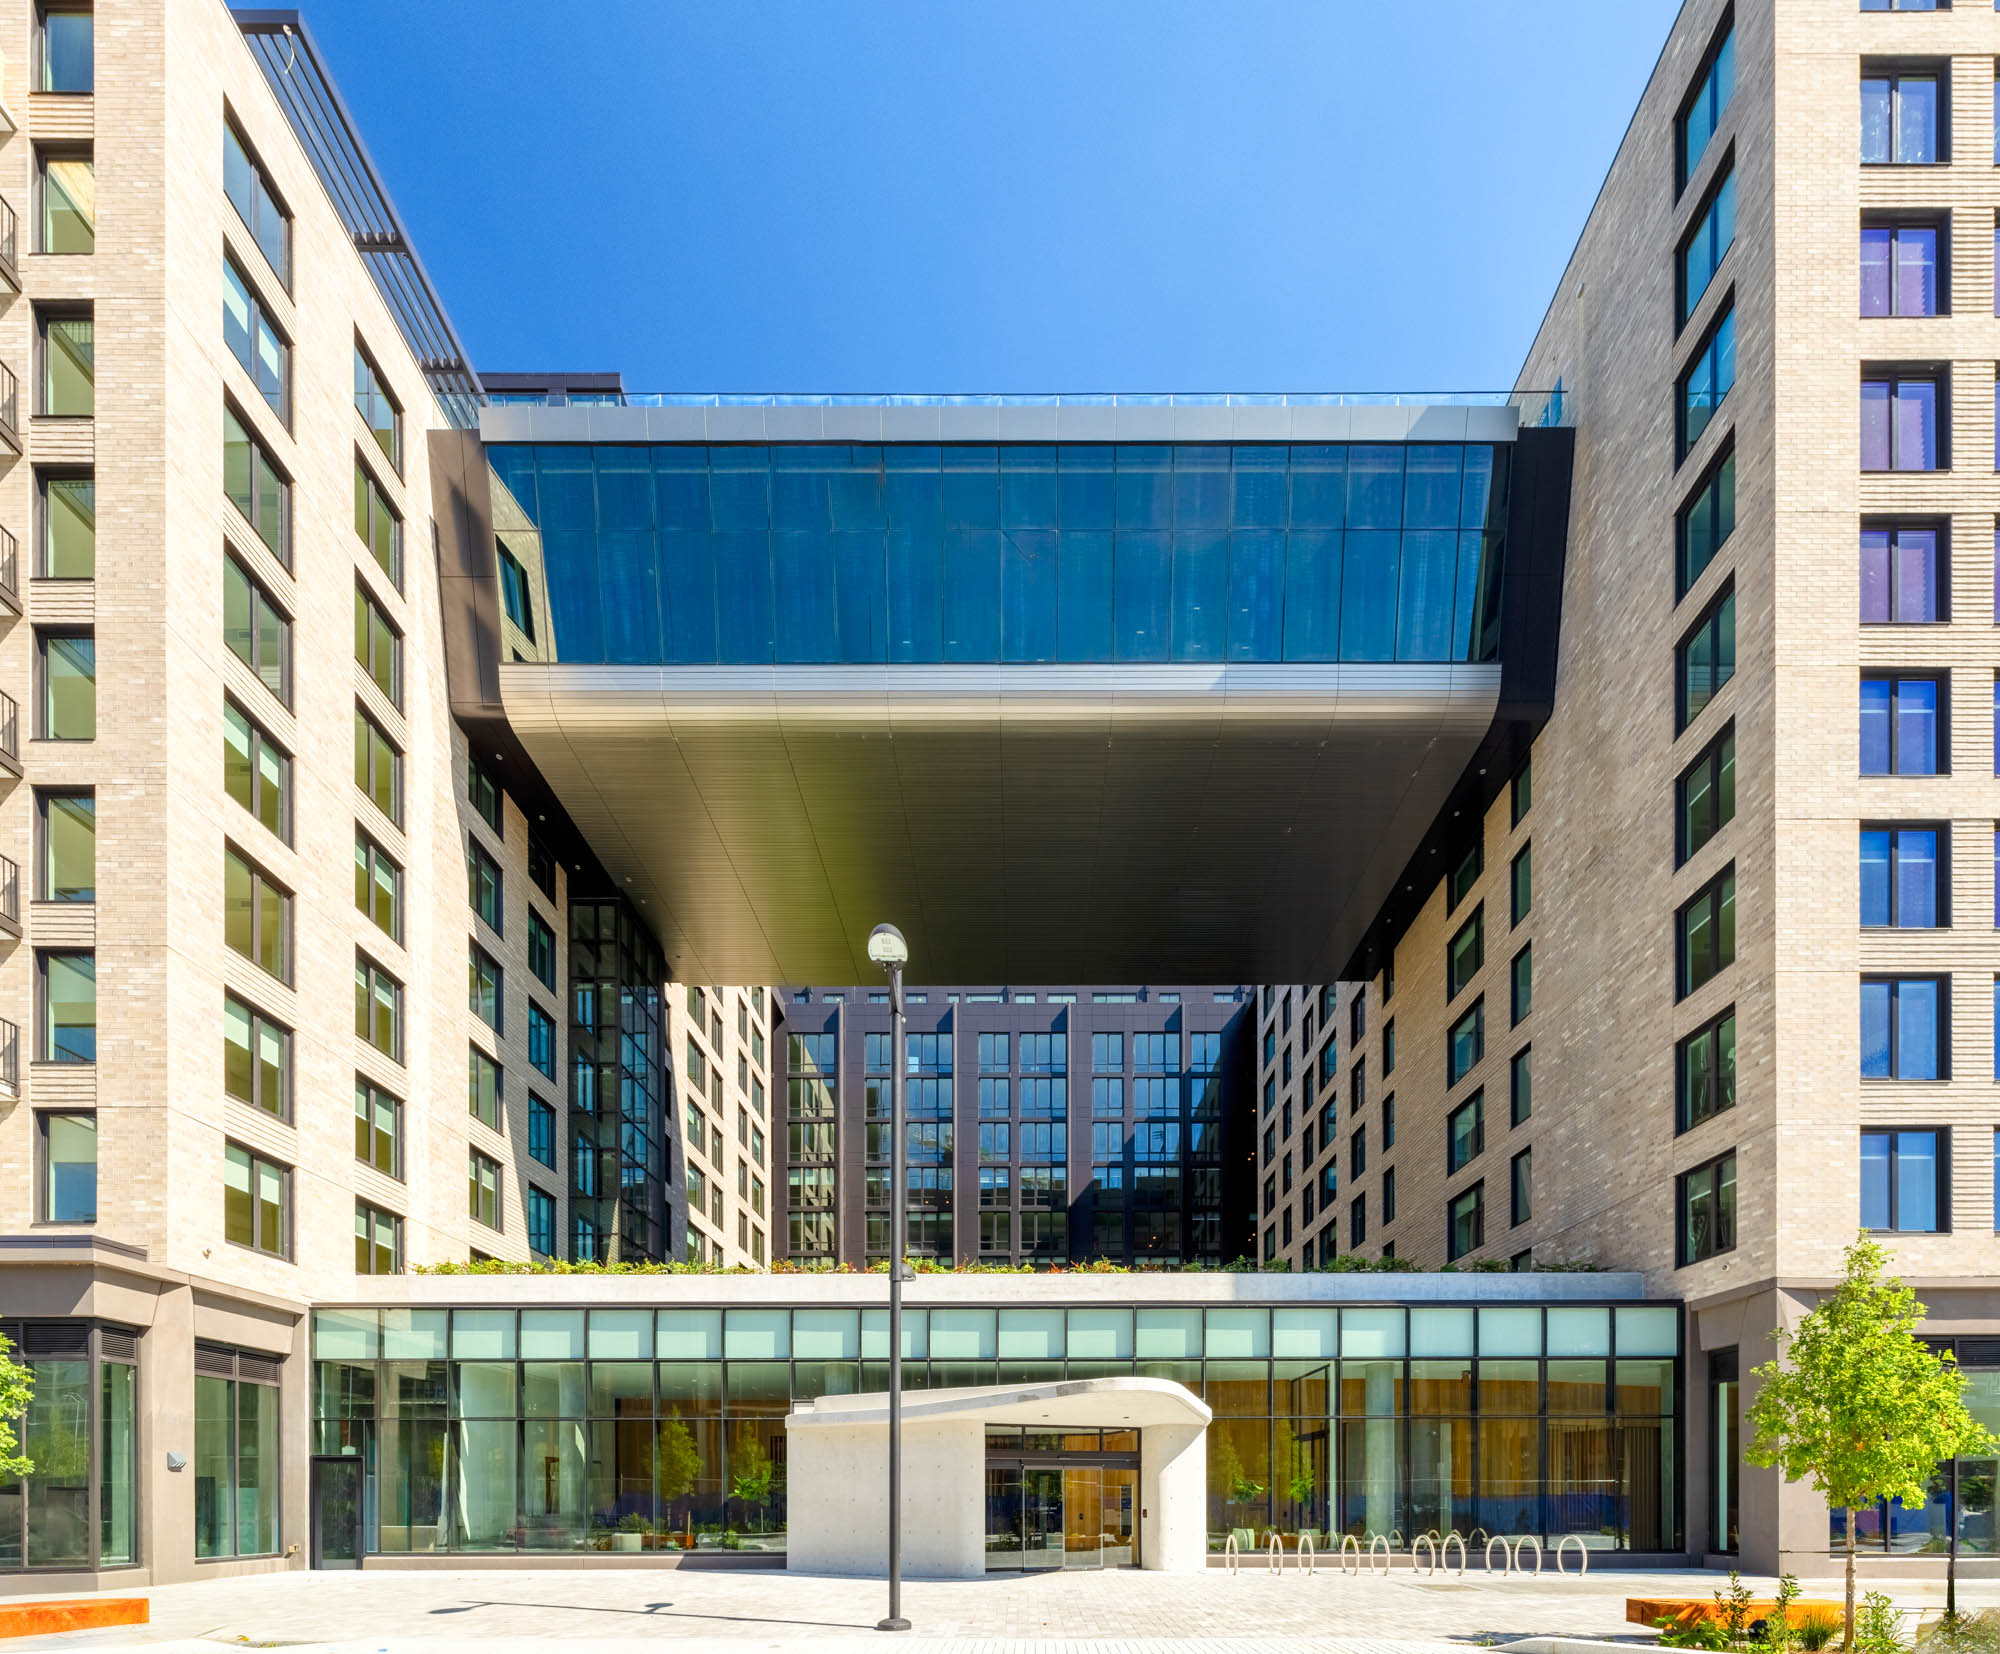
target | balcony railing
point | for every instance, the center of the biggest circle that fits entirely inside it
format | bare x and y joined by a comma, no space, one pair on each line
10,1059
10,408
10,895
10,570
10,230
10,732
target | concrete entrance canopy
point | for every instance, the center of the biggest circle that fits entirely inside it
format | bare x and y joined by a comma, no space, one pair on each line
839,1471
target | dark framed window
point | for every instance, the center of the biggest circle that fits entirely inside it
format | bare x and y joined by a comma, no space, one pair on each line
1388,1127
1521,882
1902,724
256,915
486,1088
378,525
256,1201
66,525
1357,1221
1465,1133
378,1007
1903,878
1705,1071
378,1128
542,1040
1906,1180
1357,1151
66,380
486,987
483,1189
1709,97
541,1221
1465,1222
1388,1048
66,980
256,771
1521,985
1466,1043
1704,245
66,1145
542,1132
65,49
1903,116
1521,1085
1521,1188
1705,932
66,204
1902,574
1706,659
378,409
1465,875
66,865
542,950
259,490
66,664
1705,1210
1706,521
1705,796
1705,383
256,631
256,1058
378,886
378,766
542,867
1905,1027
255,340
1522,791
256,203
1903,419
1465,954
237,1455
1902,269
378,646
483,884
378,1240
516,593
1388,1196
1357,1018
483,792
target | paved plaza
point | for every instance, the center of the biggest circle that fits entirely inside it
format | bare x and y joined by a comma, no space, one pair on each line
505,1610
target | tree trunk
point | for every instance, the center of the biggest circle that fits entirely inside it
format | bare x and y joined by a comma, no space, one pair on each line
1850,1578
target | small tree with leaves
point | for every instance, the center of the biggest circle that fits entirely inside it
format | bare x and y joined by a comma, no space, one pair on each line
1857,1404
17,1389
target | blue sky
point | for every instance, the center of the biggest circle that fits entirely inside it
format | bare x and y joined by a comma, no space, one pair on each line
1021,196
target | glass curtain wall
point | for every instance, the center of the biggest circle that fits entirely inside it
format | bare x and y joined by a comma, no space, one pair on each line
78,1508
618,1087
1958,1502
573,1430
236,1461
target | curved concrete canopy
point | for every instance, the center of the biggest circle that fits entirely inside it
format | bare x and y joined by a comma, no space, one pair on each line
1099,1403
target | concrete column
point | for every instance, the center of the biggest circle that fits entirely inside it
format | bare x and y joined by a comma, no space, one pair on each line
1173,1497
166,1425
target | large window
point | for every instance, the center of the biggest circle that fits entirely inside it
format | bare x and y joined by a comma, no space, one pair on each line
250,192
68,670
483,1176
256,1201
1899,269
255,341
1706,659
378,766
67,823
67,184
1705,1063
378,1008
235,1453
256,915
1705,796
67,1147
542,1132
1705,1204
1466,1043
378,1241
1465,954
258,488
378,409
65,50
1701,253
378,646
67,385
1706,522
1901,118
1901,724
256,1058
68,989
484,794
1521,985
482,884
257,632
67,543
1702,113
257,774
80,1431
1903,1022
542,1041
1707,379
1465,1133
1901,420
375,520
1521,1183
486,991
541,1221
1465,1222
378,1128
378,885
485,1088
541,950
1705,930
1521,882
1521,1085
1901,580
1905,1183
1902,884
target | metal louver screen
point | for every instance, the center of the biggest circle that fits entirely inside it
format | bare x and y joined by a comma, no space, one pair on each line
118,1344
257,1369
215,1360
54,1340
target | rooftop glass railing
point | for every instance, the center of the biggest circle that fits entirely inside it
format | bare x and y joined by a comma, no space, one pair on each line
1012,399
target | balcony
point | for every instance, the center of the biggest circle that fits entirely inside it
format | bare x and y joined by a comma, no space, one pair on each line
10,408
10,733
10,228
10,896
10,1059
10,570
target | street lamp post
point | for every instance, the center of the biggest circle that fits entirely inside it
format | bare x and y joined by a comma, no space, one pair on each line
887,949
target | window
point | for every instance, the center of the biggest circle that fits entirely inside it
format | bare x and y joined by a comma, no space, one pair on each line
483,1177
1466,953
256,1201
1908,5
378,1128
69,685
542,1040
256,1058
485,991
1705,795
1900,118
69,1006
1388,1198
378,766
541,1221
1702,113
378,646
1903,1027
1701,253
256,486
541,950
378,409
1521,1085
1899,269
378,1241
67,543
1523,882
378,1008
65,57
515,593
542,874
1466,1043
1705,1207
1705,1068
1705,660
1523,789
255,773
257,634
1465,1133
256,915
1463,877
1388,1053
68,1145
1900,420
1465,1222
1900,583
1900,718
1522,984
1357,1016
1707,380
378,885
1706,932
381,530
485,1088
68,824
482,884
1901,883
67,184
1388,1127
236,1455
1904,1183
1357,1221
1706,521
1521,1188
484,794
541,1132
250,192
1357,1152
255,341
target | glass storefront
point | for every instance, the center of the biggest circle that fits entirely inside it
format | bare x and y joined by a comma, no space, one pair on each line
77,1509
1958,1499
629,1429
1061,1499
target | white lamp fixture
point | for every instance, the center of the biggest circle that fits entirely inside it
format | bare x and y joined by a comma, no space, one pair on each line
887,948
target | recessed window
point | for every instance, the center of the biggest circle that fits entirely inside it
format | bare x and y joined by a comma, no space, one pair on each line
1465,1133
68,1149
542,1040
250,192
257,487
378,885
256,1058
1706,243
1902,117
378,766
484,1178
1388,1199
378,1128
486,992
67,383
516,594
254,340
378,1008
236,1428
256,1201
542,874
1703,111
1705,1204
1904,1182
485,1087
482,882
378,646
1521,1188
1521,1085
375,520
1707,380
255,772
541,950
1907,5
1901,877
67,544
66,182
1901,420
67,823
1706,931
1466,953
1523,790
1705,795
1465,1222
1522,882
65,50
1706,521
1903,1027
378,409
256,916
68,984
1705,1062
1706,659
1466,1043
1357,1151
1901,581
542,1132
484,794
1900,269
1522,984
1901,719
1357,1221
542,1222
68,670
378,1241
256,632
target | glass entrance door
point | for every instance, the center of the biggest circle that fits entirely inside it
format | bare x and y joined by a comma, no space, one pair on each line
1119,1523
336,1512
1061,1499
1042,1531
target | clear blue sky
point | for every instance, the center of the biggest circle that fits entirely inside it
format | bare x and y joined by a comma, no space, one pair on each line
984,195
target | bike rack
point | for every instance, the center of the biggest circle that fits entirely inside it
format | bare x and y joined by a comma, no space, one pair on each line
1455,1537
1582,1555
1232,1555
1426,1540
1530,1539
1309,1554
1347,1539
1388,1555
1274,1553
1506,1550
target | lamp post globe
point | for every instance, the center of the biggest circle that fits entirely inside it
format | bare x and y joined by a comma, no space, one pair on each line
887,948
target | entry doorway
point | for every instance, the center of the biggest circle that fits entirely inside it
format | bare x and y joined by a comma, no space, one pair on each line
1061,1499
336,1512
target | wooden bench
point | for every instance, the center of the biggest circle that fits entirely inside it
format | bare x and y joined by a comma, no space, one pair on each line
1686,1611
38,1619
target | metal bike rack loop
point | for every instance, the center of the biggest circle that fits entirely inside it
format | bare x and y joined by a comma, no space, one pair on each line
1274,1553
1425,1540
1529,1539
1506,1550
1347,1539
1232,1554
1582,1555
1309,1555
1388,1555
1458,1539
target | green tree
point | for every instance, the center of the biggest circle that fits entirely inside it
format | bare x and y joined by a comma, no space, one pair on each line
1857,1404
17,1389
680,1461
750,1473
